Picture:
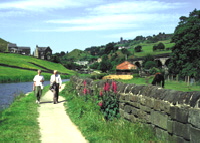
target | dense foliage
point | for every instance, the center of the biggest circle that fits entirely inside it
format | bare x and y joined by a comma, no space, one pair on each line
185,57
3,45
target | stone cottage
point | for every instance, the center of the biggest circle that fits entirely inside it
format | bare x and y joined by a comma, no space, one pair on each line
13,48
43,53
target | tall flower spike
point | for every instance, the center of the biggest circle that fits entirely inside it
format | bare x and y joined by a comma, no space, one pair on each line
106,86
114,87
84,83
100,104
84,91
100,93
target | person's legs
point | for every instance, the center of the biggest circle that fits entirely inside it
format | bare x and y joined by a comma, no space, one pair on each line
38,94
57,92
54,96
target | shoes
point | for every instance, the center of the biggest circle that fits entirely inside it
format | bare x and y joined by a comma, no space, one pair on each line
55,102
38,102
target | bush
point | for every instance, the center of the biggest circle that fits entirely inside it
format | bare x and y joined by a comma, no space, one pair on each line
149,64
161,46
98,76
138,48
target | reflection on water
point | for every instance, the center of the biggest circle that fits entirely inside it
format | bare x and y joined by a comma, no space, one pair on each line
9,90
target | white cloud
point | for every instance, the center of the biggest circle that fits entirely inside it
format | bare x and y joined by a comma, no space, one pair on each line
121,15
42,5
144,6
113,22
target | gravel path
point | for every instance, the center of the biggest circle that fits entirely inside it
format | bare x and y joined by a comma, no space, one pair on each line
55,124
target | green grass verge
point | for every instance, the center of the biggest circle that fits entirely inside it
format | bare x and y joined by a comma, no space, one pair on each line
8,74
18,123
89,119
169,84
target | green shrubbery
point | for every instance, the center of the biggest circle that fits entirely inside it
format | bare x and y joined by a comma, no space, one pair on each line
86,112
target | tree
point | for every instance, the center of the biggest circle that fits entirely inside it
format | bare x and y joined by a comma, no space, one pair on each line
62,53
105,64
110,47
125,51
149,64
155,47
138,48
94,66
161,46
147,58
185,56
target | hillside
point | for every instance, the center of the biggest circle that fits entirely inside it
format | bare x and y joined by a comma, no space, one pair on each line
78,55
3,45
147,44
16,67
147,48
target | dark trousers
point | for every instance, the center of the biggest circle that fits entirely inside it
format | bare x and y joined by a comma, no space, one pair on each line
38,92
56,93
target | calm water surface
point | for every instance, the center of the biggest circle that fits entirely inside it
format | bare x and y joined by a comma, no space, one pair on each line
9,90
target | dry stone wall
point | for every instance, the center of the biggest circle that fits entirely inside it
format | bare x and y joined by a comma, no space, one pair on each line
174,115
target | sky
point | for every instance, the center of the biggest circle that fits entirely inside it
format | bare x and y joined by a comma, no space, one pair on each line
65,25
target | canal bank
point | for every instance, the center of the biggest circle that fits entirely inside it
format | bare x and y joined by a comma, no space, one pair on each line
10,90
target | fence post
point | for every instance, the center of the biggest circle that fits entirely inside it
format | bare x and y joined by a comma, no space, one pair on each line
188,81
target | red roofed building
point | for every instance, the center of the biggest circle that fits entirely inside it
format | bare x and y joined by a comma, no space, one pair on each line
125,68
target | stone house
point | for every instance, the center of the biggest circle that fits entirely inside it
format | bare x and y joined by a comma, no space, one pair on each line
83,63
43,53
125,68
13,48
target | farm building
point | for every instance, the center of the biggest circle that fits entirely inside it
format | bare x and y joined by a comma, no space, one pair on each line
125,68
43,53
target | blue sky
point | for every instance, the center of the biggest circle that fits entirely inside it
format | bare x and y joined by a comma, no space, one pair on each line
65,25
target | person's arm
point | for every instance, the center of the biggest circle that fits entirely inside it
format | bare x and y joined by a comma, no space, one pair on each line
34,82
60,81
34,85
51,80
42,79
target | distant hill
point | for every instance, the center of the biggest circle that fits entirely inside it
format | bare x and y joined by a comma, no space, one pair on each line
77,55
147,44
3,45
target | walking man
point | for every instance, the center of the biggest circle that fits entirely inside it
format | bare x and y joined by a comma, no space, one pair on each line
56,82
38,85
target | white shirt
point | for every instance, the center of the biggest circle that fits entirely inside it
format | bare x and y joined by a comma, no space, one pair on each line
56,78
37,79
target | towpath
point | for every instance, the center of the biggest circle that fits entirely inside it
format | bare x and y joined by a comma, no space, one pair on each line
55,125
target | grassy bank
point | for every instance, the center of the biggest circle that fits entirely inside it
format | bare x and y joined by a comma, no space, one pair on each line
18,75
169,84
18,123
9,74
90,120
147,48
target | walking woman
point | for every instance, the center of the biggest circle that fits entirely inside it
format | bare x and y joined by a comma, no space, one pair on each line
56,83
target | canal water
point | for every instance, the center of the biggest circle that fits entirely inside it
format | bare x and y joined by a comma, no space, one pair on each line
8,91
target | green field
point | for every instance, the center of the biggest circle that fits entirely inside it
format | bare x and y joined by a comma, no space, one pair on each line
147,48
169,84
9,74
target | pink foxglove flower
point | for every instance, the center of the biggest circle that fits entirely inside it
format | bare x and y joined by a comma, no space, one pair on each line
100,93
100,104
84,91
106,86
114,87
84,83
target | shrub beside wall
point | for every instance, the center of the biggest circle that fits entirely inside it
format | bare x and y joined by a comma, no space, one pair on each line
174,115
